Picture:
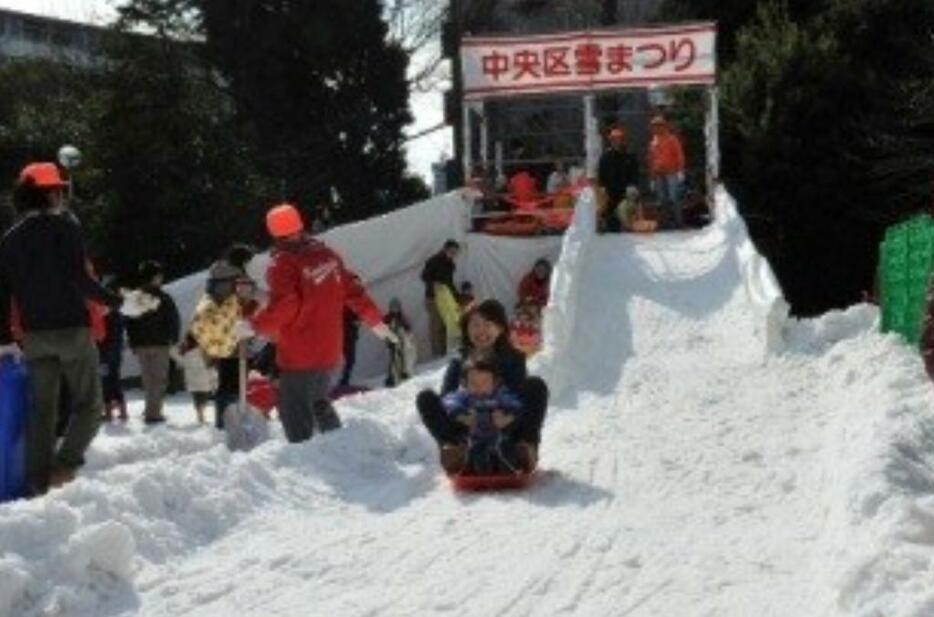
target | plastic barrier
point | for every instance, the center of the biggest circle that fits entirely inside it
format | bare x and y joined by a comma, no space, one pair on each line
905,259
14,400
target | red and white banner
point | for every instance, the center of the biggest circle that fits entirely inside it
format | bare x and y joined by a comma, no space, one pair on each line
585,61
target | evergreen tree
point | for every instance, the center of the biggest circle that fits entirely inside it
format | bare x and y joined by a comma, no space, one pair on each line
176,182
824,130
322,94
889,46
45,105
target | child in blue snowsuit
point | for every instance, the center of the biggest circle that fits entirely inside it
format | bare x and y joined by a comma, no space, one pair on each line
488,409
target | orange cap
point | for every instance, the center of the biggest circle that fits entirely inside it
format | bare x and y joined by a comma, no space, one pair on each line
617,133
284,220
42,175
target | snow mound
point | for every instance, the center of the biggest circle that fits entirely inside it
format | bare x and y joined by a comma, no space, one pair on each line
704,454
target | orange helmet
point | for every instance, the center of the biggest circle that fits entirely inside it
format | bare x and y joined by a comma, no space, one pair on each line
284,220
42,175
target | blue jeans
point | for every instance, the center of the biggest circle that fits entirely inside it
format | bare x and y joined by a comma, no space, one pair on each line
667,191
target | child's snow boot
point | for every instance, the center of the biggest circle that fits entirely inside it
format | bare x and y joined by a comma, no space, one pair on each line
527,455
453,458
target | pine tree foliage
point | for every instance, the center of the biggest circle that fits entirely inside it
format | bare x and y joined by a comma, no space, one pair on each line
176,182
826,130
323,94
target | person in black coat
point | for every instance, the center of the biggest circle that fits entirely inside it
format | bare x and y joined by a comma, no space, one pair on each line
111,354
151,336
43,270
618,169
351,335
485,328
439,270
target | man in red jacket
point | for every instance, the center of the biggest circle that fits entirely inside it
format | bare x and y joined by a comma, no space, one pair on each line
308,289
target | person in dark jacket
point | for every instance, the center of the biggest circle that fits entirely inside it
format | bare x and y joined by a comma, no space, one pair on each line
402,356
43,271
927,326
151,336
111,355
439,270
485,329
351,334
618,169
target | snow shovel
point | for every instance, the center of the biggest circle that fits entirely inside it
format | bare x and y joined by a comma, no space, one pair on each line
245,426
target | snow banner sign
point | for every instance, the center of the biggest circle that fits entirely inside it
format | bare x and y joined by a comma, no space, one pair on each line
586,61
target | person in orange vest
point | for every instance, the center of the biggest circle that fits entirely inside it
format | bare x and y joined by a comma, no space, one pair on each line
666,171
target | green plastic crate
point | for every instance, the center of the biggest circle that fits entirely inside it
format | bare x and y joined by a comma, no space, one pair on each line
906,255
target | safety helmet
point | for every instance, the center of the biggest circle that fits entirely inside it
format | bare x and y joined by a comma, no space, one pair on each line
42,175
283,221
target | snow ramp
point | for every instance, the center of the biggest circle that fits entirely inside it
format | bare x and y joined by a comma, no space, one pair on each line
704,456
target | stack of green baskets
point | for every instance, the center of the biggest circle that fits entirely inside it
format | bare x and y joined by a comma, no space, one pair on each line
905,259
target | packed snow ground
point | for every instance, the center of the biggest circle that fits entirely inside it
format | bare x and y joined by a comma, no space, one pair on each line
690,468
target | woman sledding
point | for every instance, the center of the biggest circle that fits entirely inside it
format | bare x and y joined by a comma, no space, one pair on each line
488,418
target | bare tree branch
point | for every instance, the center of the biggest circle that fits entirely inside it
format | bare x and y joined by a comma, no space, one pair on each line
415,25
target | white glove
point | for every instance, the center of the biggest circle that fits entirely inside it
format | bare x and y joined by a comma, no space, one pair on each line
243,330
383,332
11,350
680,177
137,303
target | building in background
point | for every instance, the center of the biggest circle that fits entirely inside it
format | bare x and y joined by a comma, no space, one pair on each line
26,36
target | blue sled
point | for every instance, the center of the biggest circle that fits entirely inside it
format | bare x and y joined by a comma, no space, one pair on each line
14,401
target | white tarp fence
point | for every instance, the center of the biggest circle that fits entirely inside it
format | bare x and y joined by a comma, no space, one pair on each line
560,314
388,252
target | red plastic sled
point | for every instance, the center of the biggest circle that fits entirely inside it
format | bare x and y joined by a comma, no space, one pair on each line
496,482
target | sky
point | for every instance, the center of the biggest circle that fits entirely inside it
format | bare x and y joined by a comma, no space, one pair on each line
426,107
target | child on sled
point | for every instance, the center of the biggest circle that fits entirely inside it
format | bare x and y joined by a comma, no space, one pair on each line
526,329
488,410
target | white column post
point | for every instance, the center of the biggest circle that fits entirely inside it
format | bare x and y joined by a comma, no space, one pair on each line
484,134
591,136
712,134
468,139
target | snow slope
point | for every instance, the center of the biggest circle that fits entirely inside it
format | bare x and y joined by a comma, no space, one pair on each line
704,456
